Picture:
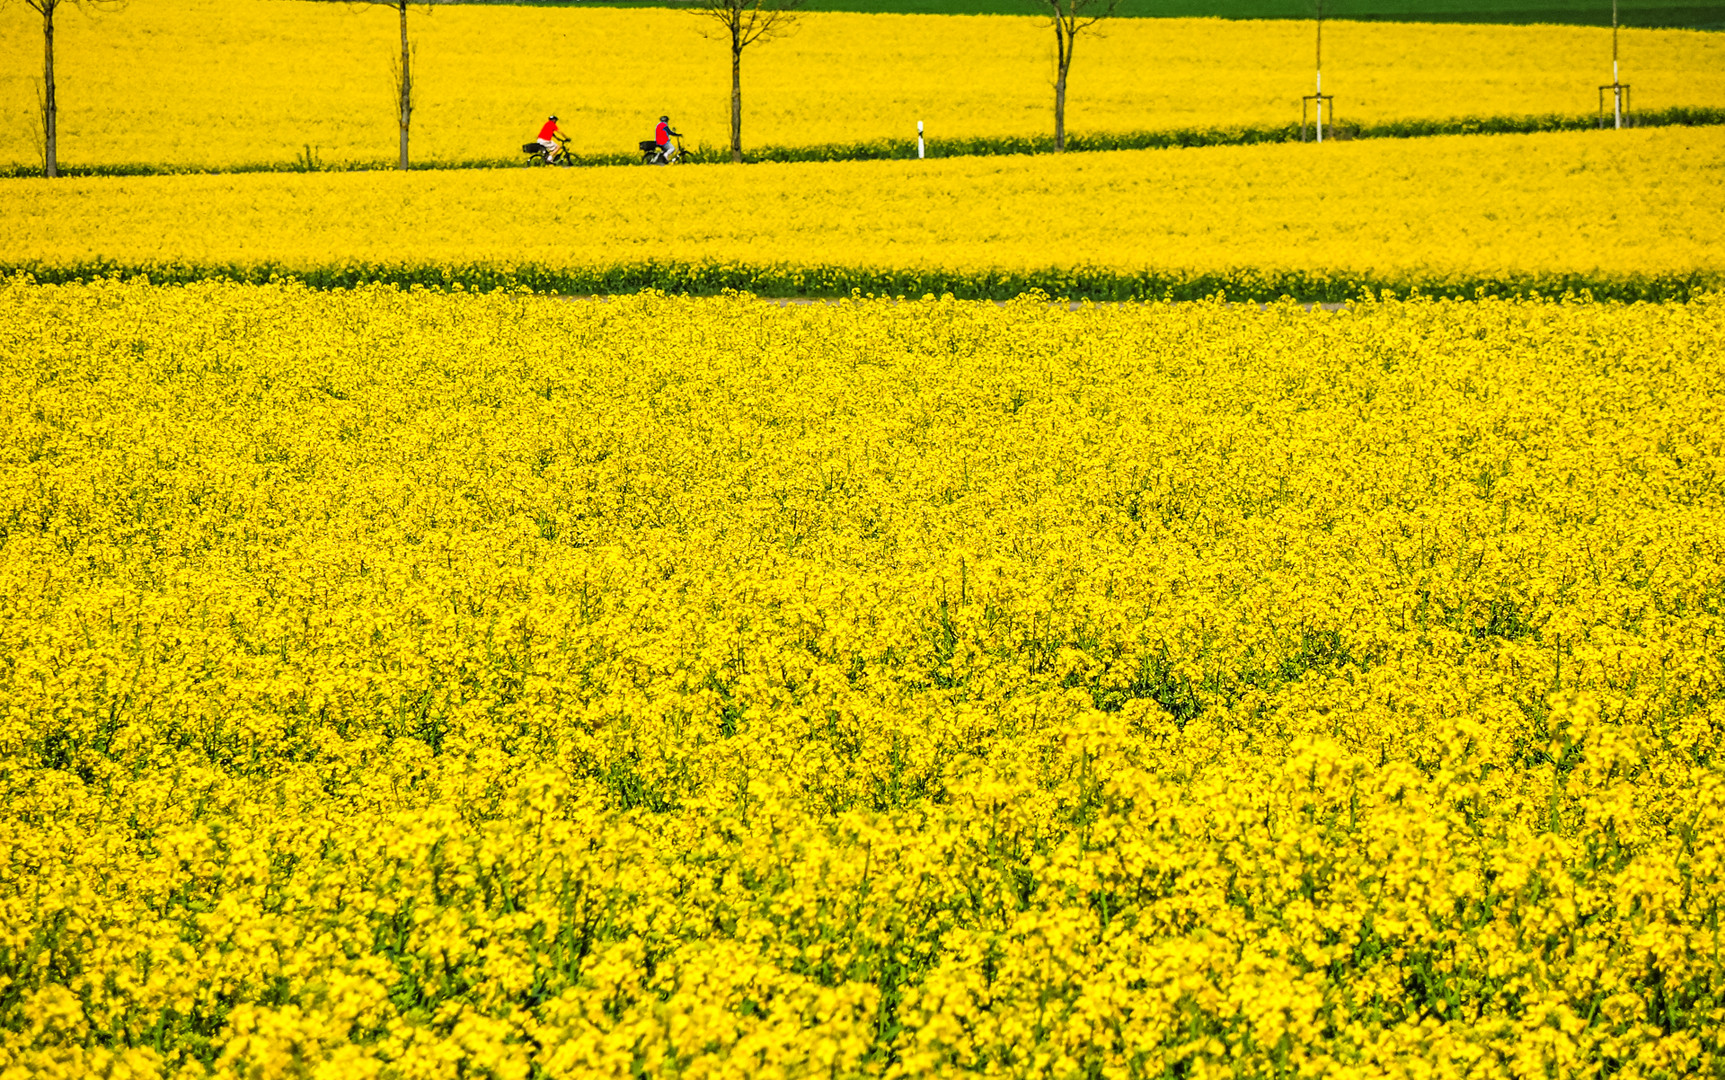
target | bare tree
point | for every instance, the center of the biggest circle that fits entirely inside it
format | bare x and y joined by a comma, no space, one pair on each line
745,22
48,102
1068,18
402,69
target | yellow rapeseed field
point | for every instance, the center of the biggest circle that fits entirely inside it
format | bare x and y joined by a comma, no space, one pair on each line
215,82
408,684
1612,204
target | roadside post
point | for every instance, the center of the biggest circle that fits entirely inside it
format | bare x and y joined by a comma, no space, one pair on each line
919,140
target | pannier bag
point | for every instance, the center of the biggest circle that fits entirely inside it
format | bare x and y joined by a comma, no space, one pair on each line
531,148
648,144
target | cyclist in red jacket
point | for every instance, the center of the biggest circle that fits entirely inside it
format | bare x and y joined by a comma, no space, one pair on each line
551,137
663,136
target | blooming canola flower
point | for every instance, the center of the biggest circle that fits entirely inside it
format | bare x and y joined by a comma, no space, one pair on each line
1605,206
417,683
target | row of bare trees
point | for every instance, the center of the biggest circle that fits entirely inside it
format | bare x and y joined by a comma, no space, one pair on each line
741,23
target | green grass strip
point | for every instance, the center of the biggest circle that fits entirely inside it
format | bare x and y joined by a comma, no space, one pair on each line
818,281
905,149
1699,14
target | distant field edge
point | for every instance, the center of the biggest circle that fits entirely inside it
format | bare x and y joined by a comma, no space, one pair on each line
1641,14
825,281
905,149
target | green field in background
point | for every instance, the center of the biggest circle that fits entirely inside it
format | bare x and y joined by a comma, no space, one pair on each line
1631,13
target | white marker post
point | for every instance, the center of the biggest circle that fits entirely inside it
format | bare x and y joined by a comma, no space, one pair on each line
1320,106
919,140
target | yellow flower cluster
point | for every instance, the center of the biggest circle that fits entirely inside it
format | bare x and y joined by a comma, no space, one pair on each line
406,684
1642,202
213,82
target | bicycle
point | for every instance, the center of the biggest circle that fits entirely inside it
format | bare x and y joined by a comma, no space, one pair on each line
538,152
675,154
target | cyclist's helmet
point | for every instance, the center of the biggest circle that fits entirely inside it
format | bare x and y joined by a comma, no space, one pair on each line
553,118
664,119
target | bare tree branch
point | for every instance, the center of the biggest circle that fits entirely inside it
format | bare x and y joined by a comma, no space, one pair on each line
401,67
744,23
1068,17
48,102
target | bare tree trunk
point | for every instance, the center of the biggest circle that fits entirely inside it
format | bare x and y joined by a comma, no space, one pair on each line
406,87
746,22
1063,43
736,99
50,108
